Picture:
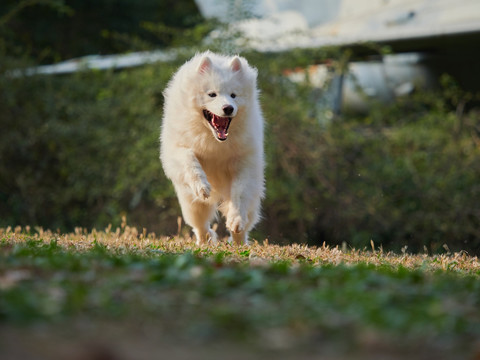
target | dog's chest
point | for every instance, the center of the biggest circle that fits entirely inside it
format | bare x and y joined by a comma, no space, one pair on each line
221,168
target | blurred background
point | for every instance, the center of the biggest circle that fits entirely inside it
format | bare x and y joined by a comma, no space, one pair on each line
371,108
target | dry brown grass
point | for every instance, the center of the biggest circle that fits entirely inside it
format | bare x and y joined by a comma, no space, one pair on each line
126,238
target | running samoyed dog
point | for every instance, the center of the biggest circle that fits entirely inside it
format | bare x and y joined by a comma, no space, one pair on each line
212,144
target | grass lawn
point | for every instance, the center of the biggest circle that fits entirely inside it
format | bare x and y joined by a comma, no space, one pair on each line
125,294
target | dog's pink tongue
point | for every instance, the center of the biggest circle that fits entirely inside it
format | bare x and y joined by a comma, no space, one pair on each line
220,124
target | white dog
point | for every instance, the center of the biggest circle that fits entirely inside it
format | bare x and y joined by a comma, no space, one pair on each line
212,144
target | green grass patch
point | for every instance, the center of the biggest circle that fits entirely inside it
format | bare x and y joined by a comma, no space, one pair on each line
227,293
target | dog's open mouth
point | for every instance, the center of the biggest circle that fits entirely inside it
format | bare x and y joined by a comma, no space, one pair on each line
219,124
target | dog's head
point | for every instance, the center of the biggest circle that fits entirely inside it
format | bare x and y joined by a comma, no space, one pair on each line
223,92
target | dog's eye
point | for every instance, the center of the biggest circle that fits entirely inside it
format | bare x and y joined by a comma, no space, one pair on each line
212,94
233,95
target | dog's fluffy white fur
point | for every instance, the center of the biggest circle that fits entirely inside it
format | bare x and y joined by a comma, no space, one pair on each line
212,144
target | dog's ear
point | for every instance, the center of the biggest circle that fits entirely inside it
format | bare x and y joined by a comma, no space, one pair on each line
236,64
205,65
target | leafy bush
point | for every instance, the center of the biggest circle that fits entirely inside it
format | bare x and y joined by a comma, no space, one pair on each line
402,175
82,150
79,150
52,30
407,182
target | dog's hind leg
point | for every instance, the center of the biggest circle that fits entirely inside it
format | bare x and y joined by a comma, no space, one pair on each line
240,238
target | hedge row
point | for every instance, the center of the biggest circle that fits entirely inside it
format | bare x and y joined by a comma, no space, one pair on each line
82,150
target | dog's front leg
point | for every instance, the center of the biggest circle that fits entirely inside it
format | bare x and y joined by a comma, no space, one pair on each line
244,205
236,211
195,176
236,219
186,173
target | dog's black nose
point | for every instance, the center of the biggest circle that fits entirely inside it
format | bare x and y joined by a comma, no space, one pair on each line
227,109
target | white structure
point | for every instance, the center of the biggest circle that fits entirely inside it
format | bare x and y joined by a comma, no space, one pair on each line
275,25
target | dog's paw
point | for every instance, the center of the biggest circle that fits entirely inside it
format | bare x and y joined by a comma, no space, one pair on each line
212,237
238,239
205,237
236,224
202,190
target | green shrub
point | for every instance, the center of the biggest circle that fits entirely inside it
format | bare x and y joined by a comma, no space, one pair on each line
52,30
79,150
82,150
403,175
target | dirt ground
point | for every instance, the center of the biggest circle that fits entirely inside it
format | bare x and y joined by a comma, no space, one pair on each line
86,340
